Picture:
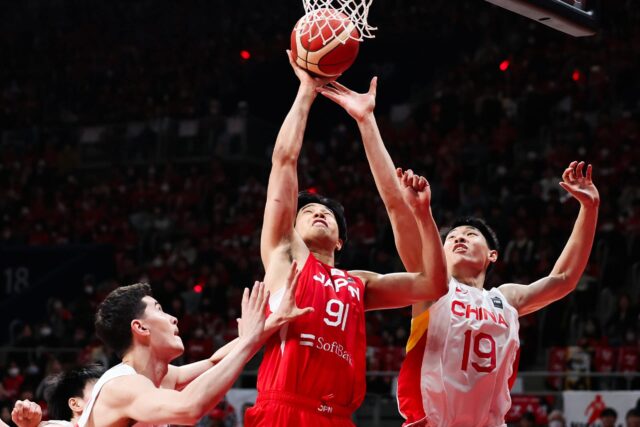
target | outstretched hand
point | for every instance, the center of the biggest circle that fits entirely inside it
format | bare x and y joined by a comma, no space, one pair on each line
26,413
580,185
306,79
254,303
358,105
416,191
288,310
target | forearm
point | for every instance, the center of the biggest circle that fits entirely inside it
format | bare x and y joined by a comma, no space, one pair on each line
190,372
575,255
209,388
384,174
289,140
380,163
434,266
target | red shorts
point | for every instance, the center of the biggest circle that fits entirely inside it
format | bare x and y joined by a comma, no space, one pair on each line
286,409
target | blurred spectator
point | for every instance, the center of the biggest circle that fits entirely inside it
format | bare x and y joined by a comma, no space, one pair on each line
528,420
608,417
632,418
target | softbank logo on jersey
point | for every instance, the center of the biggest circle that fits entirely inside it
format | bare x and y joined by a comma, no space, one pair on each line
459,308
320,343
337,281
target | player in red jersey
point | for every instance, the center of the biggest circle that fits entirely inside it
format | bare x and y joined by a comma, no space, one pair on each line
313,372
462,377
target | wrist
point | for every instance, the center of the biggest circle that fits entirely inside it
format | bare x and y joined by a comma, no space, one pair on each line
367,119
306,91
274,321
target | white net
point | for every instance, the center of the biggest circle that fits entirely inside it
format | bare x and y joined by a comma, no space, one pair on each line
319,13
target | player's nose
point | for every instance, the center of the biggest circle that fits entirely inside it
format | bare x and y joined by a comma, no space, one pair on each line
318,214
459,239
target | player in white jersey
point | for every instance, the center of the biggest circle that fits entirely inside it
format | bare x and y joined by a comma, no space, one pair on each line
145,390
67,395
461,349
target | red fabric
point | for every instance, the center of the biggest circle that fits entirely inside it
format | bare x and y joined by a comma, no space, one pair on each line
319,356
269,414
605,358
627,359
409,391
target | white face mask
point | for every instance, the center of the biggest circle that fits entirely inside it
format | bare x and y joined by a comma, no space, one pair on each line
556,423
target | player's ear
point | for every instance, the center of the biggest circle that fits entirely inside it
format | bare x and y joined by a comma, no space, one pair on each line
339,245
493,255
138,328
74,404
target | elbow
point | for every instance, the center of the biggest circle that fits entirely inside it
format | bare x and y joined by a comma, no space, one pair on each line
441,287
282,156
563,283
436,286
194,414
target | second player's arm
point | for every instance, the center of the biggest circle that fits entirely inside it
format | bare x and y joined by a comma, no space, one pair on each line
574,257
361,106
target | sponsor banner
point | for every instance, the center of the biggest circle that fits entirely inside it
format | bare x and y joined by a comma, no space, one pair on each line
583,408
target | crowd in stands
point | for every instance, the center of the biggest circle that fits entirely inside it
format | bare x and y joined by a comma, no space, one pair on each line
492,143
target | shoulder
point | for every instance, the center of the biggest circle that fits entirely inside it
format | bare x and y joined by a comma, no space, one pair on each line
121,390
509,290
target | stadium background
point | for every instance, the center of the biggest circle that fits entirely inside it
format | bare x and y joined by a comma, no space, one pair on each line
135,146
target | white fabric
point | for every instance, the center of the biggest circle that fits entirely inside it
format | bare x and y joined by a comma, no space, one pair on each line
55,423
472,344
318,12
115,372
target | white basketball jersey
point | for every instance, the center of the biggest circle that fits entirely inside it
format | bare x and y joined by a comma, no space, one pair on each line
471,347
115,372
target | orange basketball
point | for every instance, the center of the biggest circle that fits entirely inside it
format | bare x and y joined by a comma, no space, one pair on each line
324,43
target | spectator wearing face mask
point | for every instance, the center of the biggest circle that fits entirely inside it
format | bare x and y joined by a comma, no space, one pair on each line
12,381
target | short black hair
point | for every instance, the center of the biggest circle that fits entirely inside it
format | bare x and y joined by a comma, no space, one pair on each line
67,385
305,197
478,223
633,412
609,412
115,314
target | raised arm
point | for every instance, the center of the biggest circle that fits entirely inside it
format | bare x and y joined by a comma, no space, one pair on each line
179,377
135,397
282,192
573,259
360,106
401,289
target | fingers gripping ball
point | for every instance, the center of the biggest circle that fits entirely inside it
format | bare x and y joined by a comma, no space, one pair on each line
324,42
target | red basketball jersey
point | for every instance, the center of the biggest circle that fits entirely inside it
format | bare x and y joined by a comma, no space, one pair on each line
321,355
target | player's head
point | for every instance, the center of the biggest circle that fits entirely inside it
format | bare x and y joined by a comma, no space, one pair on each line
470,243
608,417
130,316
70,392
633,418
320,221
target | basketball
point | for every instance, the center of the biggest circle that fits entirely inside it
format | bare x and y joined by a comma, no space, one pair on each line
324,42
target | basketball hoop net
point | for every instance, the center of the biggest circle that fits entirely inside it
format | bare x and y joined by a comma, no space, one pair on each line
314,23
